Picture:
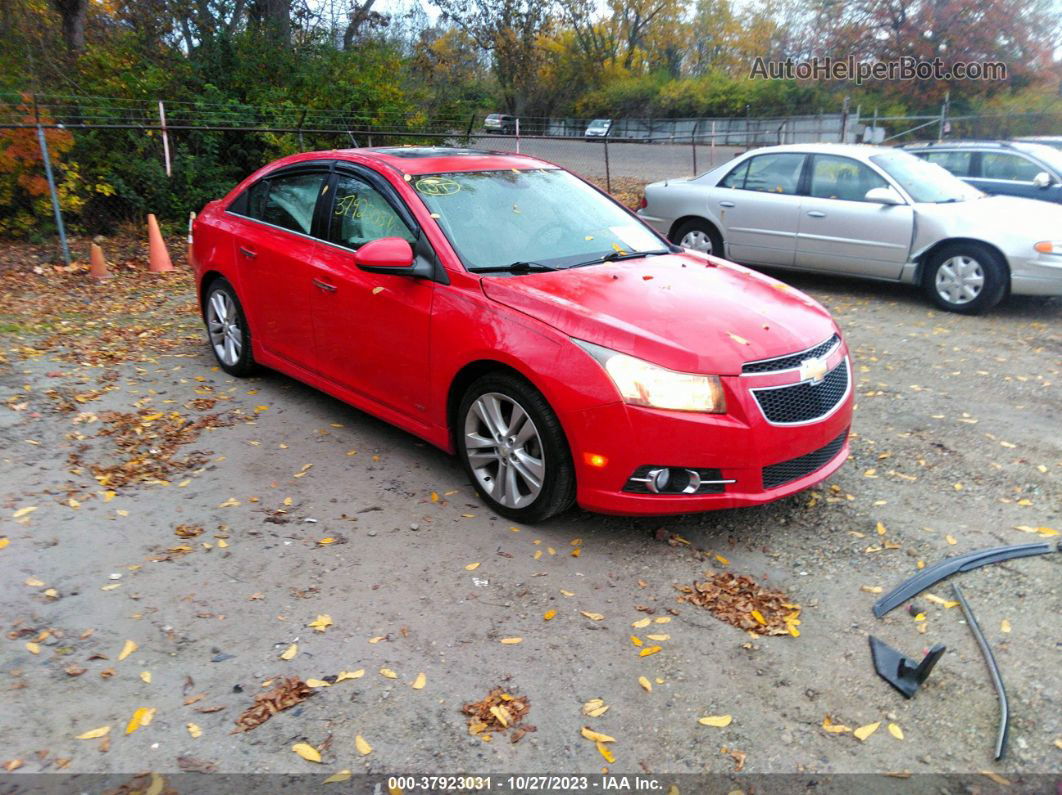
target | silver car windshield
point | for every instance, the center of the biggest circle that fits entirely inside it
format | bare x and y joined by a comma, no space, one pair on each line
924,182
544,217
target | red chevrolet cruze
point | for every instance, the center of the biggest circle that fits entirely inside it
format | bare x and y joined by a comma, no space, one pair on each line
503,309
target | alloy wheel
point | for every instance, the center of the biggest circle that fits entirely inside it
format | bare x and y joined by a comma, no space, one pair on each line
960,279
223,325
504,450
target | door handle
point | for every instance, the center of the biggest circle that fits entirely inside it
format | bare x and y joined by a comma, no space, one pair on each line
328,288
726,204
248,253
816,214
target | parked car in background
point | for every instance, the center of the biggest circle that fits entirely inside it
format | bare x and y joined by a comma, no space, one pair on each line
507,311
1054,141
500,123
1029,170
598,128
866,211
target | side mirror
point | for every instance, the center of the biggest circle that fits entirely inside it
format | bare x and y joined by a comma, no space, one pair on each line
887,196
386,255
1043,180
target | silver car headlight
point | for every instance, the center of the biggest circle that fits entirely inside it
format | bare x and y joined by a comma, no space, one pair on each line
642,383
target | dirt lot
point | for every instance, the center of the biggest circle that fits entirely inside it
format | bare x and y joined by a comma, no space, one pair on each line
149,498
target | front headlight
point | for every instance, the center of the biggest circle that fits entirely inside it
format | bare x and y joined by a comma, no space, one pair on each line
641,383
1049,246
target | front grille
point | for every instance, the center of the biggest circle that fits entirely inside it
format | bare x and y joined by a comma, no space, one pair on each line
806,401
790,361
795,468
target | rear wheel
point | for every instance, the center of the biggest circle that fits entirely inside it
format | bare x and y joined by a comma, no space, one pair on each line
699,235
230,339
965,277
514,449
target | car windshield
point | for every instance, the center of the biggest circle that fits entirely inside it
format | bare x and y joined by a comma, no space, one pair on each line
545,217
598,123
924,182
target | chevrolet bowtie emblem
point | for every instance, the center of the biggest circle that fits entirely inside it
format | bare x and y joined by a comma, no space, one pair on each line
813,370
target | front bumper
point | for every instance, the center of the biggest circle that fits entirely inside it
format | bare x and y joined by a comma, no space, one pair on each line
741,444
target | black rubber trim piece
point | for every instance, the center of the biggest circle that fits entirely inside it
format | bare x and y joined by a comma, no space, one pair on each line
993,669
938,571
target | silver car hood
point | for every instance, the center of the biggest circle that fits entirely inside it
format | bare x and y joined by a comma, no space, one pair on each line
1011,223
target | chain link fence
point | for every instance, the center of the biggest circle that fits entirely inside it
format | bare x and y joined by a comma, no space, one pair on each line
176,155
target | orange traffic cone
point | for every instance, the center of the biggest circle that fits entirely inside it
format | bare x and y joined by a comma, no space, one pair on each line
97,264
191,257
158,257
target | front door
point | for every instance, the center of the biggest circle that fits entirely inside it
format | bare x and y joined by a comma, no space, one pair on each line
372,330
841,231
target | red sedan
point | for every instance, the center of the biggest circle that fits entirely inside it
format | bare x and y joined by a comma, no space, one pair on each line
506,311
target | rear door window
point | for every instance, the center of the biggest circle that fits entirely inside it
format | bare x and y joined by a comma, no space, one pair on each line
775,173
291,201
958,163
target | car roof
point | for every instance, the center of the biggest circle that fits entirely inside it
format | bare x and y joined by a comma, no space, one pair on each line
428,159
849,150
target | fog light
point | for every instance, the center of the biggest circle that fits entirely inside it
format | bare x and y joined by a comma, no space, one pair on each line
657,479
676,480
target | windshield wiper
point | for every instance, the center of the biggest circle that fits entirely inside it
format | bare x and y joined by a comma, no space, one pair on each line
616,256
515,267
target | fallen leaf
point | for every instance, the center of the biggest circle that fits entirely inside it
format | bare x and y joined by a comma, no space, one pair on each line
23,512
33,648
549,615
318,683
658,637
718,721
834,728
145,677
194,730
290,652
865,731
362,746
419,682
646,684
950,539
288,693
1004,626
642,623
129,647
592,616
142,716
636,640
322,622
33,582
471,567
511,641
596,737
338,777
895,731
604,750
344,675
307,752
649,650
94,734
881,529
388,673
871,588
998,779
662,620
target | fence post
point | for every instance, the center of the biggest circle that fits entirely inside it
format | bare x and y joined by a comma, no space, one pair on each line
51,183
693,144
608,173
711,150
468,133
941,130
165,139
844,120
517,135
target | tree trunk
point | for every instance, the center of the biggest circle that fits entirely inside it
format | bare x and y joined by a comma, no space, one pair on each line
73,13
357,17
274,17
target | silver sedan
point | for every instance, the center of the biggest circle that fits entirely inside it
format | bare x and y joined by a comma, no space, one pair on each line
865,211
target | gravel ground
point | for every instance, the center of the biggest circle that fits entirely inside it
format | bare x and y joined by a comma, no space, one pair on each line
309,508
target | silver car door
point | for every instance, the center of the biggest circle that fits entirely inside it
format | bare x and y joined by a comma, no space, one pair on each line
842,232
759,208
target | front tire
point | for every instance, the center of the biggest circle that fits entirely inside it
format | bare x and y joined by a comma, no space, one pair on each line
227,331
965,277
699,235
514,449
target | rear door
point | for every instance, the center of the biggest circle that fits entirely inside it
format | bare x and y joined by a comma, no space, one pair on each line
841,231
759,207
372,330
274,254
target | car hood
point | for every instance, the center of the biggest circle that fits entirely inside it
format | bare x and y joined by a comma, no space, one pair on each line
684,311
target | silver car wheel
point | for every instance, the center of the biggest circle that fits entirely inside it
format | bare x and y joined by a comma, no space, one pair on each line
960,279
223,325
504,450
697,240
